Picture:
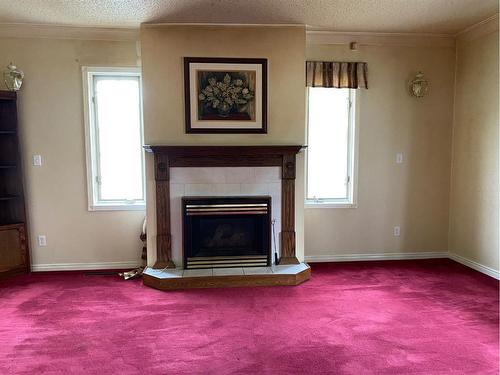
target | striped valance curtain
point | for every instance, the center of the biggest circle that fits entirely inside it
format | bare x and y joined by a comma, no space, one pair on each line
350,75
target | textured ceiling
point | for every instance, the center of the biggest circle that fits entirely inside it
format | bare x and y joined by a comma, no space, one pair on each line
427,16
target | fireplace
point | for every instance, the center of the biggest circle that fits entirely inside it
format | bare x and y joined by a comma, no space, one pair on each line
222,232
167,157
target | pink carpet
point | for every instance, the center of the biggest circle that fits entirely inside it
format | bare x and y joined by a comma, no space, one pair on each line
401,317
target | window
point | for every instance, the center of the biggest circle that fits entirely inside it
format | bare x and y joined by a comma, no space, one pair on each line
331,148
115,158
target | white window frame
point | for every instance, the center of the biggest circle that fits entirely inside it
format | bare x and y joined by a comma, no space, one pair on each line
91,140
352,159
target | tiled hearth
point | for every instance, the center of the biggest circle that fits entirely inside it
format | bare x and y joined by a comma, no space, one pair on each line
278,270
227,277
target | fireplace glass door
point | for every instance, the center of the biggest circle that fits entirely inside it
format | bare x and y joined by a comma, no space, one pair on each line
227,232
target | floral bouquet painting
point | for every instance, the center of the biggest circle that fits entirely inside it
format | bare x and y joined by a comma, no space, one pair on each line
225,95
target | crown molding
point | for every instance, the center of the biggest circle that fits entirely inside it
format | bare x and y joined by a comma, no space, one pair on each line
380,39
28,30
478,30
313,36
204,24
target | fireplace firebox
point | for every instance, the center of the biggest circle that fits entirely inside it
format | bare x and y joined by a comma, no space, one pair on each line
222,232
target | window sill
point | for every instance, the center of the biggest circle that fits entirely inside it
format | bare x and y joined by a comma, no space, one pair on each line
118,207
310,204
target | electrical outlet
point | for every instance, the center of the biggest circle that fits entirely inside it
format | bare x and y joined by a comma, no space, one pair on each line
42,240
399,158
37,160
397,231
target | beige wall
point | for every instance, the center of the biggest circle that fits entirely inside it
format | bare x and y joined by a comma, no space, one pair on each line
415,194
474,221
163,49
51,124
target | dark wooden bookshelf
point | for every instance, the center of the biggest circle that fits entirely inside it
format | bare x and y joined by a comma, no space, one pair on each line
14,254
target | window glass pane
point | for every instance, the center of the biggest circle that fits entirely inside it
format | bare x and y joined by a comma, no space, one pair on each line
119,138
327,152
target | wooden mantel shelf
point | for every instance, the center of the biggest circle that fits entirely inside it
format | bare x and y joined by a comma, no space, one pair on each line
224,156
224,150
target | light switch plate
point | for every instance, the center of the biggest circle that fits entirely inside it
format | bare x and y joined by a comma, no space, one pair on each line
397,231
399,158
42,240
37,160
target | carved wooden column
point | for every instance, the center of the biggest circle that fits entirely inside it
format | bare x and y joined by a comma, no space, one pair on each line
163,236
288,210
23,242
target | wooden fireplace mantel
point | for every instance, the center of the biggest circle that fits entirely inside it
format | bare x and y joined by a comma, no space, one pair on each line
166,157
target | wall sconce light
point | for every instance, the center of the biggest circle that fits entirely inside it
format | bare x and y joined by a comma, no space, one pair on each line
13,77
419,86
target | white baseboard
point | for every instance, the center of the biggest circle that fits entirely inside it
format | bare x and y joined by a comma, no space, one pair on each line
84,266
402,256
308,258
380,256
475,265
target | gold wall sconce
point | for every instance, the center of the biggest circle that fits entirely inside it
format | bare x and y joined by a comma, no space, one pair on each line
419,86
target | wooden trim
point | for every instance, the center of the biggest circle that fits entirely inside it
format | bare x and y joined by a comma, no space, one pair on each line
223,156
288,167
163,237
8,95
288,211
289,260
227,281
162,167
228,156
17,226
225,151
223,60
23,247
7,273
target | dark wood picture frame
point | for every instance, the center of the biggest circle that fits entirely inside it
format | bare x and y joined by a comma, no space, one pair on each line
224,130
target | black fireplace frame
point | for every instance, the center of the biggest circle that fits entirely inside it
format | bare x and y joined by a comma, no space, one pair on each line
204,200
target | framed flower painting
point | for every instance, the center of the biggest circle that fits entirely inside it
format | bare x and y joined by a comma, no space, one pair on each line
225,95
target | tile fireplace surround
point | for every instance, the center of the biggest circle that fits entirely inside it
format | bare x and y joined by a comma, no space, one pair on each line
224,171
222,182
